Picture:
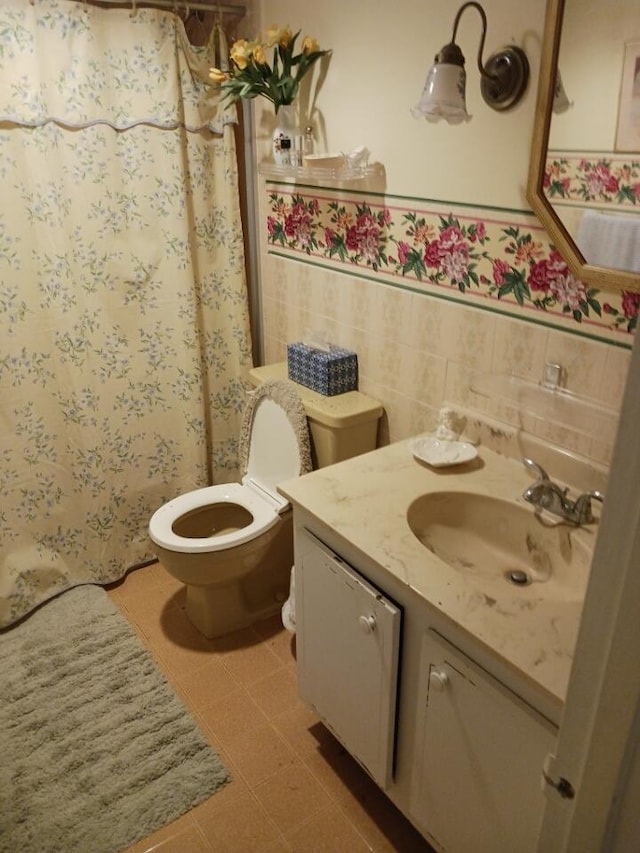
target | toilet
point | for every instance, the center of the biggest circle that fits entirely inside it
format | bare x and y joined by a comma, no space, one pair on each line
232,544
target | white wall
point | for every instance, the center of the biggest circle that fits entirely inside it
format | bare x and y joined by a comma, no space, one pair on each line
381,54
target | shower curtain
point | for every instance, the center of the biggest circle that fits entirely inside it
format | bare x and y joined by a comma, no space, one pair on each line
124,331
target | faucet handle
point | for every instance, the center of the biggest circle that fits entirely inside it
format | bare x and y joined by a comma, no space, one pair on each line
582,510
537,469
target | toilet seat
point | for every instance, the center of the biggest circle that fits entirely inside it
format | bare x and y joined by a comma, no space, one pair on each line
265,515
274,446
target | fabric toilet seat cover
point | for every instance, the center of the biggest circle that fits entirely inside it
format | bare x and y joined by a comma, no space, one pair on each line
274,436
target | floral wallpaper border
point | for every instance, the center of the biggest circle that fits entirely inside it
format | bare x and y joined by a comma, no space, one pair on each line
588,178
495,258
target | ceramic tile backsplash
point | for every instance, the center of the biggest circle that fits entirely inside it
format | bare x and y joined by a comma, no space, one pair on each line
417,352
583,361
614,376
519,348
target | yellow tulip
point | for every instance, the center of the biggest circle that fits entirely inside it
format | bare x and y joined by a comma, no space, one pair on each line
273,35
279,35
259,55
286,37
240,53
310,45
217,76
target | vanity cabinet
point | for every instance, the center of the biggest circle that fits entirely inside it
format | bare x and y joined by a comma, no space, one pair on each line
457,750
477,785
348,651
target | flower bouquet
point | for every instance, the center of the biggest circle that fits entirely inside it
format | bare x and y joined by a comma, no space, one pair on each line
252,75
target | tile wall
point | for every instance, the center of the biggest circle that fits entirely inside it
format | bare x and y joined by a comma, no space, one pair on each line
417,352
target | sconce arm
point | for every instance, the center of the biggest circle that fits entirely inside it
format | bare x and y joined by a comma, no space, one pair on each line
483,17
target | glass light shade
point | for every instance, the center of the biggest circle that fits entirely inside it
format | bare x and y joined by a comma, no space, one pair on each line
443,96
561,102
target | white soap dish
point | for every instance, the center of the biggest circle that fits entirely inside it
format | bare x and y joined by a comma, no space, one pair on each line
440,454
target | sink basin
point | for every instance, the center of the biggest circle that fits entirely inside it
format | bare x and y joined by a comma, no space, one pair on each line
503,546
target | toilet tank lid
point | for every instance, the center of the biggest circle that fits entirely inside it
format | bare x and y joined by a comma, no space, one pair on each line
340,411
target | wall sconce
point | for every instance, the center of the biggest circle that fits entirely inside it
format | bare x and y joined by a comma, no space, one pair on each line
503,79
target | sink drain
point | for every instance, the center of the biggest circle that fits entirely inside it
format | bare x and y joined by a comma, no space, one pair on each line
518,577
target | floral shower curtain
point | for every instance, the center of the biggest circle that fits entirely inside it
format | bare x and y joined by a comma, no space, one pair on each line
123,310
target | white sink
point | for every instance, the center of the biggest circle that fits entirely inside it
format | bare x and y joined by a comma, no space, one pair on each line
502,546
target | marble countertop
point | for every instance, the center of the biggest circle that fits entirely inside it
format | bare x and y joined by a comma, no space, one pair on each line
365,500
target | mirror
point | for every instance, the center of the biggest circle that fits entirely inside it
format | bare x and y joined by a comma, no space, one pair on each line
596,47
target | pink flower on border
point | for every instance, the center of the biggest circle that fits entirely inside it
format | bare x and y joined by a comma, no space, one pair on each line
600,180
328,236
364,238
479,233
500,270
403,252
540,276
630,304
455,264
450,238
568,291
433,255
297,225
271,225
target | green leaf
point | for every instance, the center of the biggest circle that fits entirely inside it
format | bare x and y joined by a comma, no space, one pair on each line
595,306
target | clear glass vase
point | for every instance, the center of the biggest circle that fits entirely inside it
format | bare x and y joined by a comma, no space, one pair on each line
285,137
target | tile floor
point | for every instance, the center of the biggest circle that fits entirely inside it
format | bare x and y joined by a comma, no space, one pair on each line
294,788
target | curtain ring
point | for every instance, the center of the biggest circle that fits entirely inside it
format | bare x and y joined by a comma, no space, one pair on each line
134,8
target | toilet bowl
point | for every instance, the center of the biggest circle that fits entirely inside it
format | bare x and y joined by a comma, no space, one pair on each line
232,544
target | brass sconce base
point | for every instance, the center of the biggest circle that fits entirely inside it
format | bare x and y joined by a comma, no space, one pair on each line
505,78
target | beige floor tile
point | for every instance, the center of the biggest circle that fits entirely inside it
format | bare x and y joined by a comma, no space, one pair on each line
336,770
329,831
259,753
183,649
301,727
175,829
242,826
291,796
281,642
379,821
190,841
207,684
250,663
276,693
232,716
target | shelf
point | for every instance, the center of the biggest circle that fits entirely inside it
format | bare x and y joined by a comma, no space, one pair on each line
556,405
345,173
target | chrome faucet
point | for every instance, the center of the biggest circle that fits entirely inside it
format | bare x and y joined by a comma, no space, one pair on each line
546,494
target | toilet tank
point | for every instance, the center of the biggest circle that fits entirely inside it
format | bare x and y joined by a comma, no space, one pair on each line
341,426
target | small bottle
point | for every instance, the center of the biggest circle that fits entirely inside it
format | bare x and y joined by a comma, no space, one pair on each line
308,140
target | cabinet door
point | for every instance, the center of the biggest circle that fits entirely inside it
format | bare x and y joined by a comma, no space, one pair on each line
478,785
347,644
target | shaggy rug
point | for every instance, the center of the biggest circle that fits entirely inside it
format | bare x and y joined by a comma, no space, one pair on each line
96,749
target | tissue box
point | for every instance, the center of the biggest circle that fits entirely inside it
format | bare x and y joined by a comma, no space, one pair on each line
328,373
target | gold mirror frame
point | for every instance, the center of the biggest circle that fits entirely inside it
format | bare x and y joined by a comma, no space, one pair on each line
600,277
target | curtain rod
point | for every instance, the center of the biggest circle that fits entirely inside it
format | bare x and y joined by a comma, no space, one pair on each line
174,5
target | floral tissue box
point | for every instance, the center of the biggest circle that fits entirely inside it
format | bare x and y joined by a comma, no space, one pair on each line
328,372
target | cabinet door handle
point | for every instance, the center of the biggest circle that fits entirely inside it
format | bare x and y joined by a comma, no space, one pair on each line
367,623
438,679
